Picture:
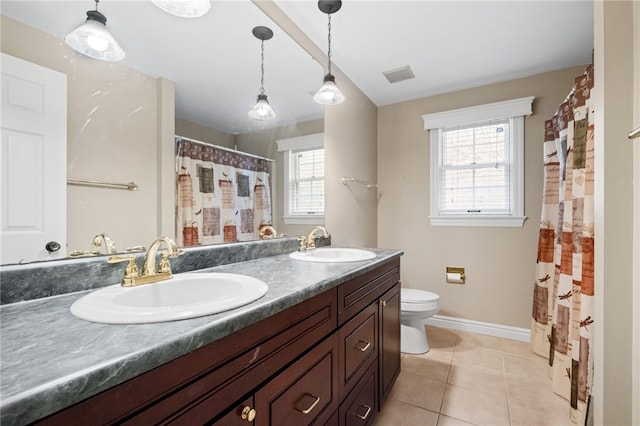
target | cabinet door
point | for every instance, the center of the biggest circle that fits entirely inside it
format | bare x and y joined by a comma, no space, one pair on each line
305,393
389,355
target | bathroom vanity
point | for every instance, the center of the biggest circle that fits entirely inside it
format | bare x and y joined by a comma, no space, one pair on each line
321,347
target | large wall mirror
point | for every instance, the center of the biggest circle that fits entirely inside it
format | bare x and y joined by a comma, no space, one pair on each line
195,78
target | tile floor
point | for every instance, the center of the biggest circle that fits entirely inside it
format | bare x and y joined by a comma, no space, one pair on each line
473,379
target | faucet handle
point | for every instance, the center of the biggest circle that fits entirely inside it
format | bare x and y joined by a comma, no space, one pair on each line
131,271
164,266
302,243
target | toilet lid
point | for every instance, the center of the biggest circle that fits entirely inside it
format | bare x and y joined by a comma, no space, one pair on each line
412,295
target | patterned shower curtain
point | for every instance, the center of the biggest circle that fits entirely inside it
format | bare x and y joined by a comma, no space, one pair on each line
563,315
223,196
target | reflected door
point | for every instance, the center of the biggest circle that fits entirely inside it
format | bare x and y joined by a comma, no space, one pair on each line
33,161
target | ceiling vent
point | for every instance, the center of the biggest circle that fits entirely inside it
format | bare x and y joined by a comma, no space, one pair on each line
399,74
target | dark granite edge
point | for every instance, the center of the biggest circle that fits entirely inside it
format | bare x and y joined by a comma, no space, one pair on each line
38,402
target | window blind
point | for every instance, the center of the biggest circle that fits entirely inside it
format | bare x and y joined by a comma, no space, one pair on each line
307,182
475,169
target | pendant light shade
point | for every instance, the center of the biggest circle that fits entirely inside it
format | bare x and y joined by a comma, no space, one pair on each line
262,110
329,93
184,8
94,40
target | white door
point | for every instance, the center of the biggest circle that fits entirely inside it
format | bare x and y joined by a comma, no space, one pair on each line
33,161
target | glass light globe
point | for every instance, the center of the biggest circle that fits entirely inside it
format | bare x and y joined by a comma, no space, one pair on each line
184,8
329,94
94,40
262,110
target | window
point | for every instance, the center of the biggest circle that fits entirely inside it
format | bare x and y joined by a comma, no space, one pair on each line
477,167
303,179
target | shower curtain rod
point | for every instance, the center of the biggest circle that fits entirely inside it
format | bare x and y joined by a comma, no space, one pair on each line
224,148
634,133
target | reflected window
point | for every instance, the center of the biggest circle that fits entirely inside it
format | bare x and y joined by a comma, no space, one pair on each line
304,179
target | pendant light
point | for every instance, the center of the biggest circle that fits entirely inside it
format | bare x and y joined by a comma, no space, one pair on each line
94,40
184,8
262,110
329,94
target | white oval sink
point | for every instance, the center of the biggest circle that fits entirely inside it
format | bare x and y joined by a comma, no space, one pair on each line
330,254
187,295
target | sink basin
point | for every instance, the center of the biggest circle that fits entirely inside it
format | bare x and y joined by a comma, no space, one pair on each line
187,295
330,254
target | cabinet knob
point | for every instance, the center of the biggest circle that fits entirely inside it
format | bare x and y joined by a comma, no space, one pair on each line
383,303
248,413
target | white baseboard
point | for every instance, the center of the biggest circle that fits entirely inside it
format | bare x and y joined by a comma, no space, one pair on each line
497,330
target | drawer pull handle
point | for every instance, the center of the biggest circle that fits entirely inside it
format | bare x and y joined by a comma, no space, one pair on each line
363,348
364,417
248,413
312,406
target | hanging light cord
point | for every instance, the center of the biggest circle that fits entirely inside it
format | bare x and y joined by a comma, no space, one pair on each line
262,68
329,39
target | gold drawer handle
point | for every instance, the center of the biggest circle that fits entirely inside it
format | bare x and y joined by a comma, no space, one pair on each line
312,406
364,417
248,413
363,348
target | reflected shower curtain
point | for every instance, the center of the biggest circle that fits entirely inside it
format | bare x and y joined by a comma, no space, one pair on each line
223,196
562,320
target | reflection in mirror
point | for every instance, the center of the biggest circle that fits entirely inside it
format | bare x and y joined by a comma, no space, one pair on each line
195,78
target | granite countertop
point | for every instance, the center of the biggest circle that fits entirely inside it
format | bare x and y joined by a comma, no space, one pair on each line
51,359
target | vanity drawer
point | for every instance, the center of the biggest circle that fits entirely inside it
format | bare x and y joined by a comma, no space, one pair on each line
358,347
305,393
357,294
361,407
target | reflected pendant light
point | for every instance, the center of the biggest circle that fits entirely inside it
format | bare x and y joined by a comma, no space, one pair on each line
184,8
94,40
329,93
262,110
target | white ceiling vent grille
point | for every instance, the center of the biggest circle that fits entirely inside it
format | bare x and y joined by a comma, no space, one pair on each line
399,74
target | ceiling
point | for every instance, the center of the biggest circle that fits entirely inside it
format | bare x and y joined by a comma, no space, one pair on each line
215,60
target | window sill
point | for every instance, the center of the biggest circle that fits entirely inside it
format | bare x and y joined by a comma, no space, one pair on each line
304,220
479,221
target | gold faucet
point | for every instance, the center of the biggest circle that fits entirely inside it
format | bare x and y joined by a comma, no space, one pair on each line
96,245
311,242
150,272
272,232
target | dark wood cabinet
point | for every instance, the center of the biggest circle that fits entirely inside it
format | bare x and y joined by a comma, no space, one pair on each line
305,393
330,359
358,347
360,406
389,355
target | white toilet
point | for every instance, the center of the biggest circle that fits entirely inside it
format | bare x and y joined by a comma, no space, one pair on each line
415,307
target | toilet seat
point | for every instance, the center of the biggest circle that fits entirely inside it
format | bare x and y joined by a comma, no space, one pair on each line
414,300
413,295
